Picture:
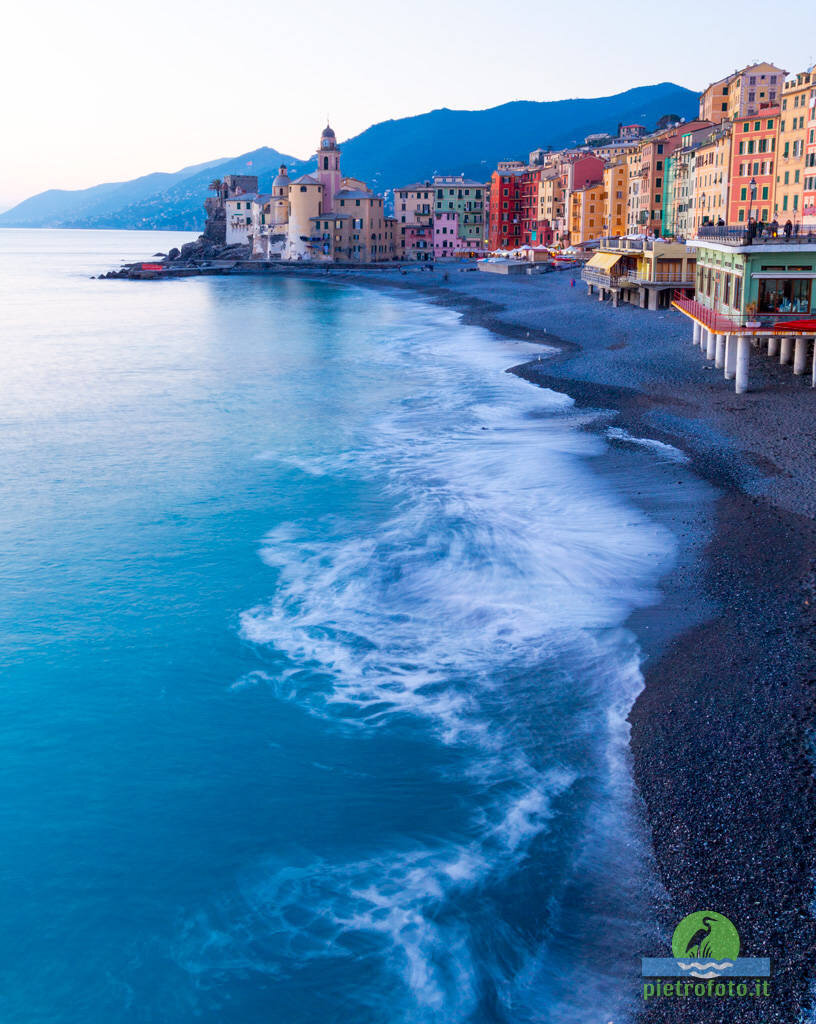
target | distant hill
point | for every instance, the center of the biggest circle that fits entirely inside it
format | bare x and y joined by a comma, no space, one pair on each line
388,154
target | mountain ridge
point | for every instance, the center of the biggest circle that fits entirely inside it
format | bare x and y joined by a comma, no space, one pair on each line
387,154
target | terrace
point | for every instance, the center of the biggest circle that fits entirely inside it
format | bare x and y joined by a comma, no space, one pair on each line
742,236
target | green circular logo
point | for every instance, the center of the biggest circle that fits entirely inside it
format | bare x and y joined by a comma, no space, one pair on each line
705,934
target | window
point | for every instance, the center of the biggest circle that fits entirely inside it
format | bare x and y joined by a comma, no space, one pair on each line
784,295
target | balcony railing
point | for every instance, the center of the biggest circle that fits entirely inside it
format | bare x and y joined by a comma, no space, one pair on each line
600,277
741,236
660,277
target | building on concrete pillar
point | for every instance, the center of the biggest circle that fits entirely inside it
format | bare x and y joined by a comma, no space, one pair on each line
640,270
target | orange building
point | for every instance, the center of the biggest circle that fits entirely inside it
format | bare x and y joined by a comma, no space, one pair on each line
614,184
742,93
753,158
585,213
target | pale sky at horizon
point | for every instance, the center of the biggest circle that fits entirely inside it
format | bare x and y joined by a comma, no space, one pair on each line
99,92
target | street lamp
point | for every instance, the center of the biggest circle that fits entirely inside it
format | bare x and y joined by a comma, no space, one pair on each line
752,193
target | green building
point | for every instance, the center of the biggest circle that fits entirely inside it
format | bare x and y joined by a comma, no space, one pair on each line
763,280
457,194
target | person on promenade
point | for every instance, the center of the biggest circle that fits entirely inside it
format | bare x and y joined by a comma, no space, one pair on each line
788,228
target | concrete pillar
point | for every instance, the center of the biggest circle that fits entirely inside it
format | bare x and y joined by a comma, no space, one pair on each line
601,295
813,375
711,345
773,346
785,347
653,297
589,288
730,356
743,356
719,352
642,298
800,354
696,333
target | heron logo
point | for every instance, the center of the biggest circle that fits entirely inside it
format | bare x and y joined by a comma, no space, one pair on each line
705,935
706,947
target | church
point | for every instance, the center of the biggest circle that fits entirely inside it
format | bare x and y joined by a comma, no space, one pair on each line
319,216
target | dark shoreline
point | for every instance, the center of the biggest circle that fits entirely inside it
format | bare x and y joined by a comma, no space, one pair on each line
721,733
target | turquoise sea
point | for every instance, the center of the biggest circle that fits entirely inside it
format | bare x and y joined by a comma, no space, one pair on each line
315,659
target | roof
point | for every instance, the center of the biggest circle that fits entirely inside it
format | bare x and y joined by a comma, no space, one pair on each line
243,197
305,179
423,186
331,216
459,182
350,193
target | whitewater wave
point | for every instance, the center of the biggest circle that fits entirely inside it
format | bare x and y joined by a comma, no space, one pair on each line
481,600
668,451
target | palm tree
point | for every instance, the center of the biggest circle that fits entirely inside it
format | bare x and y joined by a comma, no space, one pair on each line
217,186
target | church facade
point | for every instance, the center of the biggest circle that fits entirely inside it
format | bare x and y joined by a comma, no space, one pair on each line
320,216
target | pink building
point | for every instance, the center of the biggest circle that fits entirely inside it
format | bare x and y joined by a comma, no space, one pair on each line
446,239
417,242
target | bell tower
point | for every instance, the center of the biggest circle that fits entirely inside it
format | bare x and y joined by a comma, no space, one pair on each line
328,168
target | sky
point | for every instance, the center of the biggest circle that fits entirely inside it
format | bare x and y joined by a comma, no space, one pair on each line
97,92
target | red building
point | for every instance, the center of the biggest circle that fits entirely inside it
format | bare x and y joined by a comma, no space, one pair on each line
514,210
753,156
504,231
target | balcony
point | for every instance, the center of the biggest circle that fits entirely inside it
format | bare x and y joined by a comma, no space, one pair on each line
739,236
600,277
659,277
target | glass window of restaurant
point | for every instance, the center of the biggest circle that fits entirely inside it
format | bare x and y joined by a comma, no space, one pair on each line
784,295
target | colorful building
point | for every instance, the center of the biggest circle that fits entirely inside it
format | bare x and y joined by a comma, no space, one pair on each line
465,198
809,191
643,271
743,93
414,207
585,213
551,205
794,127
614,186
752,183
505,210
711,179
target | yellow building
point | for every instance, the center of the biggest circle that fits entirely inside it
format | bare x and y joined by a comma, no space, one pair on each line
615,184
634,161
551,201
711,175
793,138
643,271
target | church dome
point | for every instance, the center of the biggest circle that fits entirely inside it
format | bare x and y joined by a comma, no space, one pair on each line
282,178
328,133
